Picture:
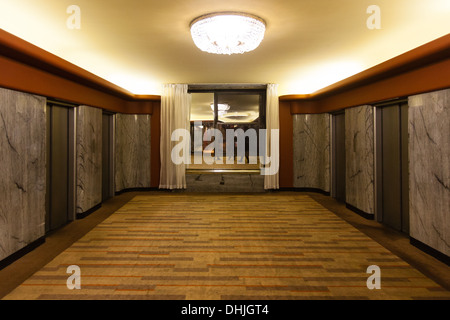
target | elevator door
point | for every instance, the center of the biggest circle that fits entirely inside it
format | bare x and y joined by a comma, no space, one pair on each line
58,170
339,156
106,156
394,159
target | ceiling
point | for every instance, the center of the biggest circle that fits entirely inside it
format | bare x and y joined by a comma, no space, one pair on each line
309,44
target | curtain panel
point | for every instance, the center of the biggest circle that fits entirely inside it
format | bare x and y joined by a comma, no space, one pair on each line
272,162
175,117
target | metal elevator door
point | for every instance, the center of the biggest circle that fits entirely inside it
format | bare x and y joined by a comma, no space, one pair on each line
394,157
58,167
339,156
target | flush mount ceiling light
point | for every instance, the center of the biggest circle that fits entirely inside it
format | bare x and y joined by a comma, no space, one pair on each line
221,107
227,32
239,117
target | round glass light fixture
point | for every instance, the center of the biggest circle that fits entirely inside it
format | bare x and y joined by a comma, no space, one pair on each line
227,32
221,107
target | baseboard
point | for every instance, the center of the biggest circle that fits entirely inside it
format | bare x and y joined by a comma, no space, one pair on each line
365,215
315,190
19,254
117,193
429,250
83,215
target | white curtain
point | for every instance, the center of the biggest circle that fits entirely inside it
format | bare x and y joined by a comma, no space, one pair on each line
271,176
175,115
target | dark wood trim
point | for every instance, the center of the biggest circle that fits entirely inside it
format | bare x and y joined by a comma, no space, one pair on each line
155,159
365,215
20,253
83,215
431,251
391,102
314,190
117,193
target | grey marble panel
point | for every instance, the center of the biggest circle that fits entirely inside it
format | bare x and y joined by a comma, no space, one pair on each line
132,154
359,151
22,172
312,151
429,169
89,158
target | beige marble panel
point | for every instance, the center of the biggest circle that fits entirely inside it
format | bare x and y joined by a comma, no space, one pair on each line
429,169
22,173
312,151
359,146
132,154
89,158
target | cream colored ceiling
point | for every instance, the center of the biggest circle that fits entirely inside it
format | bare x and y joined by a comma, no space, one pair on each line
309,44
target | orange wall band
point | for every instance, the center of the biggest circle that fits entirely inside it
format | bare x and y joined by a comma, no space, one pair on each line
418,66
425,79
28,68
17,76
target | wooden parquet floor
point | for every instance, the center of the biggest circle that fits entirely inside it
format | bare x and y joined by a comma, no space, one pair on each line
226,247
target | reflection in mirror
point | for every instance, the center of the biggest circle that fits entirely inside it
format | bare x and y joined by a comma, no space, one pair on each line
238,120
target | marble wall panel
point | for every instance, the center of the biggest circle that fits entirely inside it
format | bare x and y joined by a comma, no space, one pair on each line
132,154
22,171
88,158
312,151
359,146
429,169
